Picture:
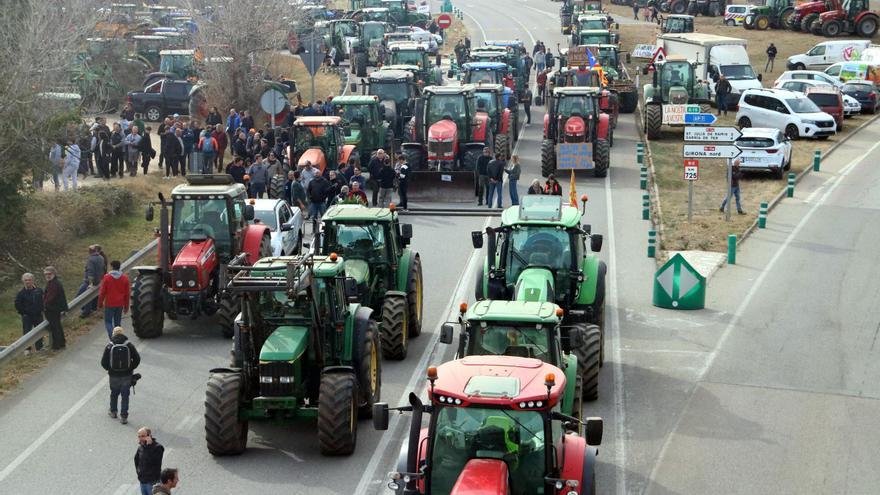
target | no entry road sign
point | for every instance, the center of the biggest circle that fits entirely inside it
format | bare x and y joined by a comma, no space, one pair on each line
444,21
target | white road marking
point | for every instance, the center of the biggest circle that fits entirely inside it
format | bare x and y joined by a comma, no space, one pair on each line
665,351
548,14
832,183
458,295
477,23
619,402
292,455
124,489
183,422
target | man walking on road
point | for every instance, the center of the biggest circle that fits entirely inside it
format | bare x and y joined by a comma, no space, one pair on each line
29,304
735,176
375,168
771,56
482,172
527,105
386,184
167,480
148,460
722,89
402,181
120,359
114,296
496,179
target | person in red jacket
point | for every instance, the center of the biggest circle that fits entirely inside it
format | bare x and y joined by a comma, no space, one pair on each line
114,297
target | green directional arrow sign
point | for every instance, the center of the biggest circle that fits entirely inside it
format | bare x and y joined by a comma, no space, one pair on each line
677,285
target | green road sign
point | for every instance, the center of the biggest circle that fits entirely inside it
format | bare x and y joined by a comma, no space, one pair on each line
677,285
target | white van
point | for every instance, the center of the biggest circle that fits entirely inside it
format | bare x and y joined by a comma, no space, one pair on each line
735,15
846,71
827,53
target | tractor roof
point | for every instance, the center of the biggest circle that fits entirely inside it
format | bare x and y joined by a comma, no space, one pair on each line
504,43
541,210
356,100
497,381
374,9
402,46
316,121
485,66
577,90
602,45
209,185
391,72
450,90
357,213
489,88
489,48
177,52
322,266
397,67
676,58
513,312
596,31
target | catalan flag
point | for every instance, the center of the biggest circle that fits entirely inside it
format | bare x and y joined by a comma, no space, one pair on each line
572,193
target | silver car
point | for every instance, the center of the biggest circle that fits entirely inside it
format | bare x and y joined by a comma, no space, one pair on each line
285,223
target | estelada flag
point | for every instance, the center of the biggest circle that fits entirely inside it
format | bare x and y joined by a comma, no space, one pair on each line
572,194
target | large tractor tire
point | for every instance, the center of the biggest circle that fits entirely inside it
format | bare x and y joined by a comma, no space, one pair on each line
369,367
816,27
629,101
793,23
225,432
578,405
598,312
653,120
762,22
389,142
807,21
548,157
394,333
614,103
337,413
415,296
830,29
867,26
784,19
601,157
226,312
360,64
147,316
585,341
416,158
502,145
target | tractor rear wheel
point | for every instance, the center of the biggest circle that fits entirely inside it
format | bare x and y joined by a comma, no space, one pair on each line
395,338
762,22
653,120
502,145
784,19
548,157
679,7
415,296
816,27
867,26
337,414
360,64
369,366
389,141
585,341
147,316
226,312
830,29
807,21
614,109
225,432
629,101
416,158
601,157
793,23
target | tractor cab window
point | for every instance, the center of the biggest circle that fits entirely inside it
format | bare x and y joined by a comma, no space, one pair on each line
540,247
395,91
594,39
476,76
515,437
450,107
313,137
520,341
197,218
344,29
676,25
592,24
608,57
399,57
357,241
486,103
675,74
570,105
374,31
358,115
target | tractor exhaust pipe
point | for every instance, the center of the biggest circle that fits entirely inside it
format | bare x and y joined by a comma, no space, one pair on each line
415,429
164,237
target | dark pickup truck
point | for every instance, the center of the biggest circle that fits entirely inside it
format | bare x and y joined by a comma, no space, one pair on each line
161,99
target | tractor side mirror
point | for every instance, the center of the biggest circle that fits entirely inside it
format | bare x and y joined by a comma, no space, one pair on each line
587,228
596,243
477,239
351,290
594,429
450,74
248,212
148,215
406,231
353,87
446,332
380,416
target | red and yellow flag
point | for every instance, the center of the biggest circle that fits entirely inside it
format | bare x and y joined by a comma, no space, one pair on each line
572,192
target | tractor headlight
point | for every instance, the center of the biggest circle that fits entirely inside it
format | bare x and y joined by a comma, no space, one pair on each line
572,492
179,283
192,283
266,379
285,379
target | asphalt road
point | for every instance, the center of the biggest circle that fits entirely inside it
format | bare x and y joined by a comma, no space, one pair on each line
768,390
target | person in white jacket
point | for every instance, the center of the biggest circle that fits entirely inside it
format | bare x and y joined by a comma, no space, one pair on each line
72,155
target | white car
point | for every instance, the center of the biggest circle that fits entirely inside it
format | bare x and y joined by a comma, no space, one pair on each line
851,106
795,115
809,75
765,150
285,224
800,85
420,35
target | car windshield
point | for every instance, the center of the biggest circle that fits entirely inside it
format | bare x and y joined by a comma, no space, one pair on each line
737,72
446,106
357,241
523,341
486,103
824,99
200,218
516,437
267,217
802,105
394,91
399,57
569,105
853,87
754,142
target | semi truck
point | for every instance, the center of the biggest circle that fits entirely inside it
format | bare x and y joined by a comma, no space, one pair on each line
717,56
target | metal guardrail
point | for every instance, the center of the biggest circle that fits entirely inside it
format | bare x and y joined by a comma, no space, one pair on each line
42,330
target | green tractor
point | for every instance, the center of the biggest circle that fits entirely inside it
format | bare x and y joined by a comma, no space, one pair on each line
388,273
364,124
397,92
595,37
674,82
539,253
341,34
302,350
411,53
527,329
365,50
773,14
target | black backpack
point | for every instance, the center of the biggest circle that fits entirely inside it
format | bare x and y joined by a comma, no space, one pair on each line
120,357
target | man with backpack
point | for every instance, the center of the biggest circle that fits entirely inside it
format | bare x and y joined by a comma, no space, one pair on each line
120,359
208,146
114,296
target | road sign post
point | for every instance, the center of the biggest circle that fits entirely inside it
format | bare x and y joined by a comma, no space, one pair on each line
731,249
762,216
311,58
677,285
691,174
730,199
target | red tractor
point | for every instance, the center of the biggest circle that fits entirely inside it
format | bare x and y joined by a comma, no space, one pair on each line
807,12
852,17
573,116
208,226
609,100
495,428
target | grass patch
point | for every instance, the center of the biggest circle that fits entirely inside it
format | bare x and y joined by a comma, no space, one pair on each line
708,230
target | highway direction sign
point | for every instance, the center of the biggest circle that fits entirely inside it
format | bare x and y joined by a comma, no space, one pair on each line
712,134
711,151
700,118
675,113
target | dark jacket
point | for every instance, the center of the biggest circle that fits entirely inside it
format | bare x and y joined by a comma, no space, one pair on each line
723,87
247,122
496,170
483,164
161,490
135,357
554,189
95,269
237,173
375,167
239,147
403,174
319,189
213,119
735,176
116,142
771,51
54,300
148,462
294,193
29,302
174,146
386,177
147,144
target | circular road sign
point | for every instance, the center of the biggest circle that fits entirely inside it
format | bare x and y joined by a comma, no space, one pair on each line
444,21
273,102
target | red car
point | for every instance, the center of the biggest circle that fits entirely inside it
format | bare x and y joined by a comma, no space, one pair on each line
829,100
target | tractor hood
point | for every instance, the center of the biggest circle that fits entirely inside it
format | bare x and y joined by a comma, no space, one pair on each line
195,252
575,126
314,155
534,284
445,130
808,6
483,476
286,343
359,270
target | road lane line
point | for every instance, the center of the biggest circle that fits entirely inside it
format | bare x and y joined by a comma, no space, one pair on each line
477,23
183,422
832,183
458,294
619,402
292,455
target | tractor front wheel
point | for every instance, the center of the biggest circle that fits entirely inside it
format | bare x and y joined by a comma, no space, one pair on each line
369,366
415,296
653,120
226,312
416,158
147,316
469,161
601,157
502,145
749,22
389,141
360,64
784,19
337,414
629,101
225,432
585,342
548,157
867,26
830,29
807,21
395,338
762,22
